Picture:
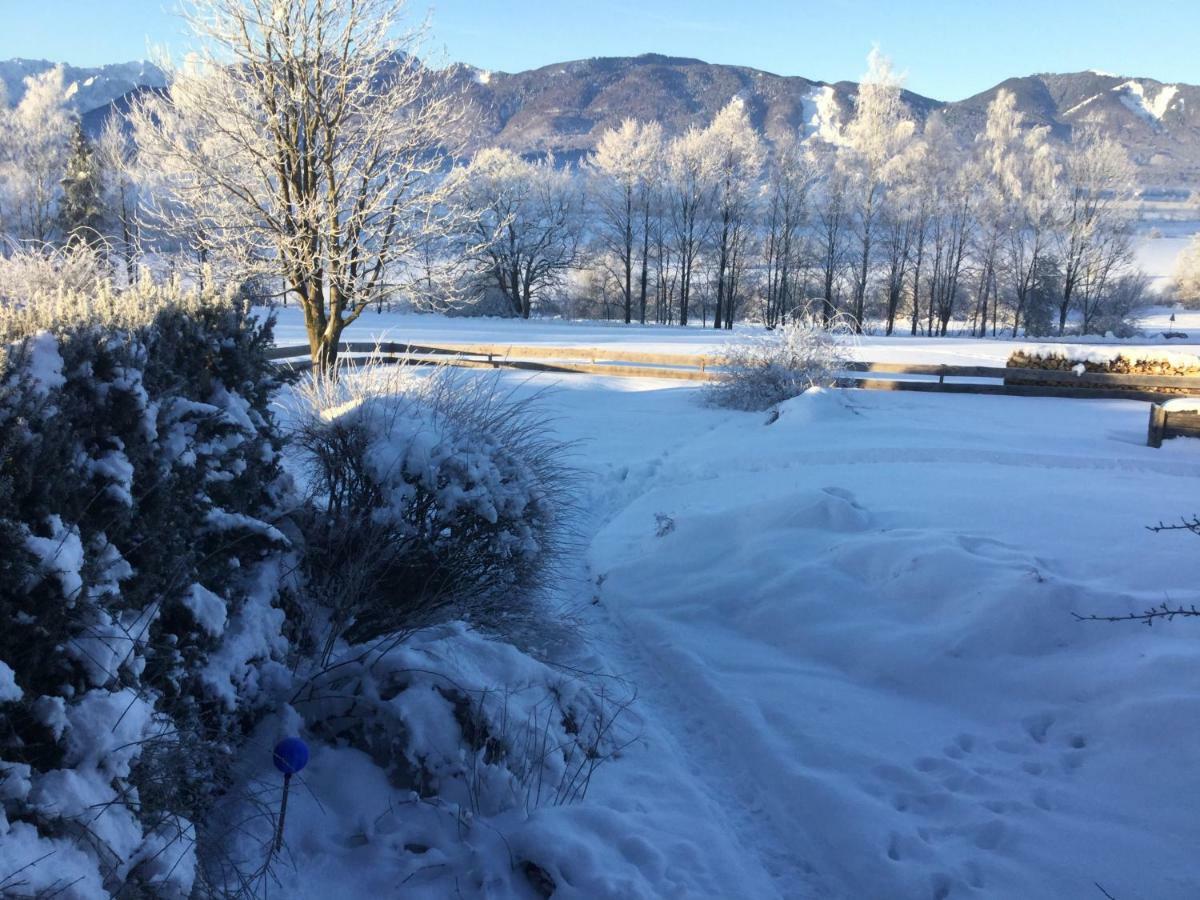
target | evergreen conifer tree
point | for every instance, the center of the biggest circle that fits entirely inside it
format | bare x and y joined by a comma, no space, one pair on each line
81,212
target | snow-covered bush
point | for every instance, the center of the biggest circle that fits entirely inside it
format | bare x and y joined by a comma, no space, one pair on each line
60,289
1118,310
532,735
759,372
141,578
453,763
439,497
31,279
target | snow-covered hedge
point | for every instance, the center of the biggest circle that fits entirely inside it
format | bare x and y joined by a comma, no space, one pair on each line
759,372
141,579
439,498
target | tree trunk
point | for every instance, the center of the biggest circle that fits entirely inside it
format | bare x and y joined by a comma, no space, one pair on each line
645,259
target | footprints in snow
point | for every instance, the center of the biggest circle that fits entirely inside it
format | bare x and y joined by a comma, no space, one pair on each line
972,797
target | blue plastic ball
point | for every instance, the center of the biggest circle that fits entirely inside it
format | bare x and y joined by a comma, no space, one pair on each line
291,755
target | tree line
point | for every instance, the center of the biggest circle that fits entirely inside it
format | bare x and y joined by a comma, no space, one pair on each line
871,219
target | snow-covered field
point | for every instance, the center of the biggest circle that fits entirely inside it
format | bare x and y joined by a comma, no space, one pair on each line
417,328
852,634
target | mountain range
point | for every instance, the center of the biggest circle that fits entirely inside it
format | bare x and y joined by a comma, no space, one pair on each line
564,108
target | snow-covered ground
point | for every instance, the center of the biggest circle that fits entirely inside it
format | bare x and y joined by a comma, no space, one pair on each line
860,632
852,635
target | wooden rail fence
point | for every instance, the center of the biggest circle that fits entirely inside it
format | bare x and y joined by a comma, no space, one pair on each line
880,376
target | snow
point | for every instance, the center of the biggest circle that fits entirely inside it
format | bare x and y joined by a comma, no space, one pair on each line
254,633
892,685
44,366
207,608
1082,104
223,520
60,555
1183,405
821,114
9,690
1151,108
58,868
851,633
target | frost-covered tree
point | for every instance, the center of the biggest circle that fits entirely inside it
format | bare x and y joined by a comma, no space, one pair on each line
873,153
1186,282
789,184
304,133
690,183
830,229
81,209
1022,165
117,161
951,225
521,223
902,219
1093,241
626,167
33,157
737,155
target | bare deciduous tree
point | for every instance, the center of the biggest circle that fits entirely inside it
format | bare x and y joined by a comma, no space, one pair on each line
1093,241
304,138
876,140
33,156
690,190
789,183
626,164
521,223
737,155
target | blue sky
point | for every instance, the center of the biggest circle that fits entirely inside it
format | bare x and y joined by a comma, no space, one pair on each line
950,48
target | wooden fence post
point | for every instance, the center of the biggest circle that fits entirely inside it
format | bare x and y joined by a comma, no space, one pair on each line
1158,419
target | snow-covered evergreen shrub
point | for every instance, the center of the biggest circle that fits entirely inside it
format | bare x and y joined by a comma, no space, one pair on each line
140,586
468,719
440,497
758,372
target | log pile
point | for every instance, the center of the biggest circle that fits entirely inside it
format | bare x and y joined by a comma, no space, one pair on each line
1087,360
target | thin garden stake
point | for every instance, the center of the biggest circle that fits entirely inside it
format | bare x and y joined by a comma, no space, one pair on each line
290,756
